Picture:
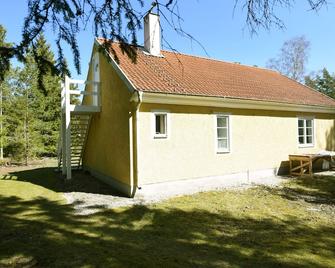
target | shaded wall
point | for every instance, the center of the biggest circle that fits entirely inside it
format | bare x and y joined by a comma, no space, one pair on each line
107,149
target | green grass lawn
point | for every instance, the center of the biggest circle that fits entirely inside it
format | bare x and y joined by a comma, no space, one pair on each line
291,226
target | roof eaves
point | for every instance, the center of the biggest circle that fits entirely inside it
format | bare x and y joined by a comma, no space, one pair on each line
229,102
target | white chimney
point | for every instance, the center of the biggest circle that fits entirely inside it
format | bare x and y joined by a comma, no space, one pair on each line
152,34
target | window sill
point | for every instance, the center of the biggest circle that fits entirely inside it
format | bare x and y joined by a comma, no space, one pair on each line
160,137
305,145
223,152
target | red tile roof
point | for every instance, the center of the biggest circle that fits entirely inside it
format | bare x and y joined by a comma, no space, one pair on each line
176,73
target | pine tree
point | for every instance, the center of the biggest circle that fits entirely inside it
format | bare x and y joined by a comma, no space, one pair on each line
13,116
325,83
33,115
3,90
45,105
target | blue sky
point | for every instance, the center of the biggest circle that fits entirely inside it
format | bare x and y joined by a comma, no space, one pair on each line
223,34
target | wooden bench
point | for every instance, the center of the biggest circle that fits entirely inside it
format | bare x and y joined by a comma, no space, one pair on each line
301,164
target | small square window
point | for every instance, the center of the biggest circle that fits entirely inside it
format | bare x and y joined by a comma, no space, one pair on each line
160,125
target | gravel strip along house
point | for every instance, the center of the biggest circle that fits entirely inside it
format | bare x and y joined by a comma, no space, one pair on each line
176,121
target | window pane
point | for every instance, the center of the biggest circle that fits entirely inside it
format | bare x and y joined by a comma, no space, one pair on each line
221,121
309,123
309,131
223,144
301,140
222,132
309,139
160,121
301,131
301,123
158,124
163,124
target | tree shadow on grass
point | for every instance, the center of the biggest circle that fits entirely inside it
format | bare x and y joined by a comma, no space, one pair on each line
44,233
48,178
319,190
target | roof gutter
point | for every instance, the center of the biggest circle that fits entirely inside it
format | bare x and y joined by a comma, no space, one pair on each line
224,102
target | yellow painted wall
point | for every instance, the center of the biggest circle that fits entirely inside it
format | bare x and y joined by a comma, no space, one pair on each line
107,148
260,140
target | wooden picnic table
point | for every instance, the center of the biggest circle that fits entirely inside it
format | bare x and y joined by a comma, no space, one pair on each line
301,164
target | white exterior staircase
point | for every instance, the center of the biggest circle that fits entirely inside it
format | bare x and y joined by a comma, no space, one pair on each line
75,123
79,131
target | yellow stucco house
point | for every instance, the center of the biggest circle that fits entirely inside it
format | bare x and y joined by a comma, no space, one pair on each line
173,117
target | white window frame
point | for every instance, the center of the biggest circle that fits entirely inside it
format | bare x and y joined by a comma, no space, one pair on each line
229,133
153,124
306,145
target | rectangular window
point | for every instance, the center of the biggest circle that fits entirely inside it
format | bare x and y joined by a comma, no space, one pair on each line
222,133
305,132
160,125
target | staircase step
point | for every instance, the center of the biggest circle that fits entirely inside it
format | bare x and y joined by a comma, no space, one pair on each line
79,129
73,160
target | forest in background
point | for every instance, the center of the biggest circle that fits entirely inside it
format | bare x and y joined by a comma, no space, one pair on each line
30,116
30,109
